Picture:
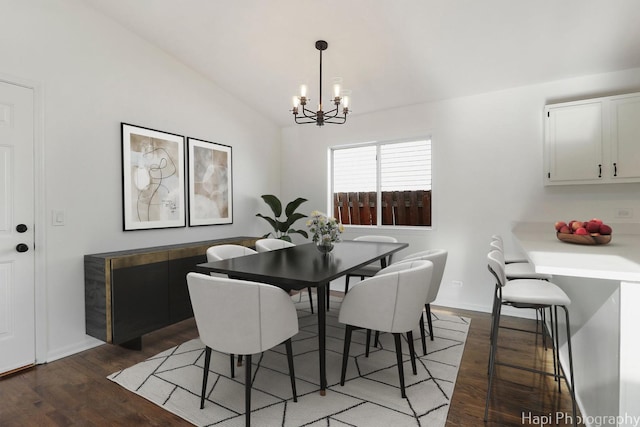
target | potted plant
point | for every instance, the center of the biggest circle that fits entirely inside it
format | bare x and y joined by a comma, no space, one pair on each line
282,227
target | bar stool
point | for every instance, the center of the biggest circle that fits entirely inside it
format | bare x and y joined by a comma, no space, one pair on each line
529,294
521,268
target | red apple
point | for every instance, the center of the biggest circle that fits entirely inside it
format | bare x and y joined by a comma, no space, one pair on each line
581,231
605,229
577,224
599,221
560,224
593,227
565,230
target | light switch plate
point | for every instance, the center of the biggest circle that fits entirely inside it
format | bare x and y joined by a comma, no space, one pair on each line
57,217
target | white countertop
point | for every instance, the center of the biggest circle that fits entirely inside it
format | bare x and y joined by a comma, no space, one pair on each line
619,260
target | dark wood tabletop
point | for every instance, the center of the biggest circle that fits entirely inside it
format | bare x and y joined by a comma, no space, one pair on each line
303,266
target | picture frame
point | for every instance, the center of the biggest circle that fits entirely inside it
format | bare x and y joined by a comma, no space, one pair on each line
210,183
153,178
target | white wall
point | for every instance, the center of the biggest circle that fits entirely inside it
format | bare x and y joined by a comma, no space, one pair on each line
95,75
488,172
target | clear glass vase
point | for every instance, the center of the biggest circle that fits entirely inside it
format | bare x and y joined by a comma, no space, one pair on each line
324,247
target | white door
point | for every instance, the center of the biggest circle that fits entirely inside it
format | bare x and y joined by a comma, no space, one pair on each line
17,260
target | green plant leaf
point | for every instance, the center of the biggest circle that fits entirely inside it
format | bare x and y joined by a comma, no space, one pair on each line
271,221
293,205
274,203
293,218
282,226
286,238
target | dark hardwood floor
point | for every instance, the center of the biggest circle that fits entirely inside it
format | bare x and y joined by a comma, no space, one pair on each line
74,391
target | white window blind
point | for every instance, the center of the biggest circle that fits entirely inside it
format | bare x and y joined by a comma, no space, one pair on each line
354,169
403,166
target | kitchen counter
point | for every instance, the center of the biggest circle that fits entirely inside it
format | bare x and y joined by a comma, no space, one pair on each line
618,260
603,283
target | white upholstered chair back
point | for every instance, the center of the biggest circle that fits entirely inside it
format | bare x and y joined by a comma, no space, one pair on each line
266,245
220,252
390,301
495,260
240,317
439,259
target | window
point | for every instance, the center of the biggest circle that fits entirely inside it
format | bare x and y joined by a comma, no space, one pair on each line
383,183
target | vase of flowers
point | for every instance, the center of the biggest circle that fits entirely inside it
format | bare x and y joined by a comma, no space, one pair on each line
325,231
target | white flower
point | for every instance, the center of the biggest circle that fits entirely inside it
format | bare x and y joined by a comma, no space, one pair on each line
324,229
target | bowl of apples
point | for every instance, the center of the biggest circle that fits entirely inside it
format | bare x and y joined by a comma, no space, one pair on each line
592,232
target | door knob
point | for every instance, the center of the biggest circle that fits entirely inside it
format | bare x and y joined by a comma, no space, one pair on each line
22,247
21,228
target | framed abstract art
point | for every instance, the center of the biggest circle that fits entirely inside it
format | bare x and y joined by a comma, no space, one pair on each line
210,183
153,178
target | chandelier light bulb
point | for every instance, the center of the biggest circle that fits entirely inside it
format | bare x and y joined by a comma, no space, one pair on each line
336,87
296,101
303,90
345,102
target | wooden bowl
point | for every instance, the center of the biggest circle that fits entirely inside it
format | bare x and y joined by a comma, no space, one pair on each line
588,239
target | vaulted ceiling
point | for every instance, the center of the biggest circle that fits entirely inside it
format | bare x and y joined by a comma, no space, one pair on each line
389,53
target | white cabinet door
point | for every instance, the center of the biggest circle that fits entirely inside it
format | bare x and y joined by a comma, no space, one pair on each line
574,138
625,138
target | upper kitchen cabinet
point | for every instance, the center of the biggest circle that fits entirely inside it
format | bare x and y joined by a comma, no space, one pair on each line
593,141
625,138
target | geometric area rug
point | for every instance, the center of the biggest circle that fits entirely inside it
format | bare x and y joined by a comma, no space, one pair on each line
370,396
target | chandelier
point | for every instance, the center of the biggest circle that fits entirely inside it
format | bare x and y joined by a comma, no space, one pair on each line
303,115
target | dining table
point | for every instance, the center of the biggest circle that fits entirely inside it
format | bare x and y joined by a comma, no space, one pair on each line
303,266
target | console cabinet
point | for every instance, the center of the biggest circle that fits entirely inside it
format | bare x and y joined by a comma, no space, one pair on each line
134,292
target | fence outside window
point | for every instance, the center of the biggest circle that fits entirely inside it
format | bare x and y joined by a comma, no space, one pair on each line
398,208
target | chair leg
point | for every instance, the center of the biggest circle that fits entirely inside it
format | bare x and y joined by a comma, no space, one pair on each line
345,352
572,388
233,370
554,345
423,335
398,339
346,284
429,320
492,356
412,352
247,391
205,374
376,341
310,300
366,352
292,374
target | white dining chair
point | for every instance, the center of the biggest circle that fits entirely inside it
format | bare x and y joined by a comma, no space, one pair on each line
439,259
220,252
369,270
241,317
391,301
268,244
